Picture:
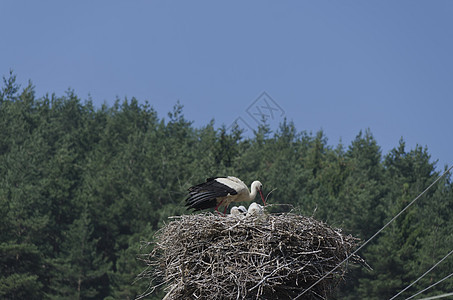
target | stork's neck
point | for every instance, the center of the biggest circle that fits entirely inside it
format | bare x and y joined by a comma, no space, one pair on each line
253,193
253,190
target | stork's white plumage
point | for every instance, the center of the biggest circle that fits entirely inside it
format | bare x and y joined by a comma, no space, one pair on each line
234,211
238,212
221,191
255,209
242,209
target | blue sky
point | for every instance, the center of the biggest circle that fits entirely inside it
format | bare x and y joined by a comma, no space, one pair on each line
340,66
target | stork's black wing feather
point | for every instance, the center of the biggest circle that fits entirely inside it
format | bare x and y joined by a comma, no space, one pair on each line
204,195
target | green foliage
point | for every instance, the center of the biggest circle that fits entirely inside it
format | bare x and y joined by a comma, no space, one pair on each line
21,272
79,272
81,187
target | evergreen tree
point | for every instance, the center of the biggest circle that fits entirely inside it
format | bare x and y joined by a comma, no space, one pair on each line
21,271
393,256
360,203
80,272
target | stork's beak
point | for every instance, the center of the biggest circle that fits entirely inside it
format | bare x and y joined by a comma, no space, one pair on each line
262,197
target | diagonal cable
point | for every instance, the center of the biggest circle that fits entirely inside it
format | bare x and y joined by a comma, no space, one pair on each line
434,284
437,297
422,275
374,235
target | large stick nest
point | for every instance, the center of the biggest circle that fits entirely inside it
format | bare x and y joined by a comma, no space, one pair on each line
206,256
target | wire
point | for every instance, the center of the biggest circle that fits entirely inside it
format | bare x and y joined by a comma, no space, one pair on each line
446,277
374,235
422,275
437,297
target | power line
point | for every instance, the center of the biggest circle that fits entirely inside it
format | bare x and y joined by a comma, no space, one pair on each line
422,275
374,235
446,277
437,297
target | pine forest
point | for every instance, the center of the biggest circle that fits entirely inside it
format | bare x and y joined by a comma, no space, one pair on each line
82,187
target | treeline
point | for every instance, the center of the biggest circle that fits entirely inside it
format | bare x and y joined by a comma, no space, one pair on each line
81,186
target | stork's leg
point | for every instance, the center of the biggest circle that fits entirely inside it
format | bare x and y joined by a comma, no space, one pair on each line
225,210
217,208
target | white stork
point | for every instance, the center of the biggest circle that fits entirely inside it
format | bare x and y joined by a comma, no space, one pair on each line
254,210
242,210
238,212
221,191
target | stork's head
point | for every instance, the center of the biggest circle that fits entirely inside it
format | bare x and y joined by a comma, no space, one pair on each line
258,186
234,211
242,209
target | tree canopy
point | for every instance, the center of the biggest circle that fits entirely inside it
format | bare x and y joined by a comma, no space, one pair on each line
81,186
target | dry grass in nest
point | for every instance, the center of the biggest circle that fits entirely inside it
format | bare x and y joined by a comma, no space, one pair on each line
276,256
